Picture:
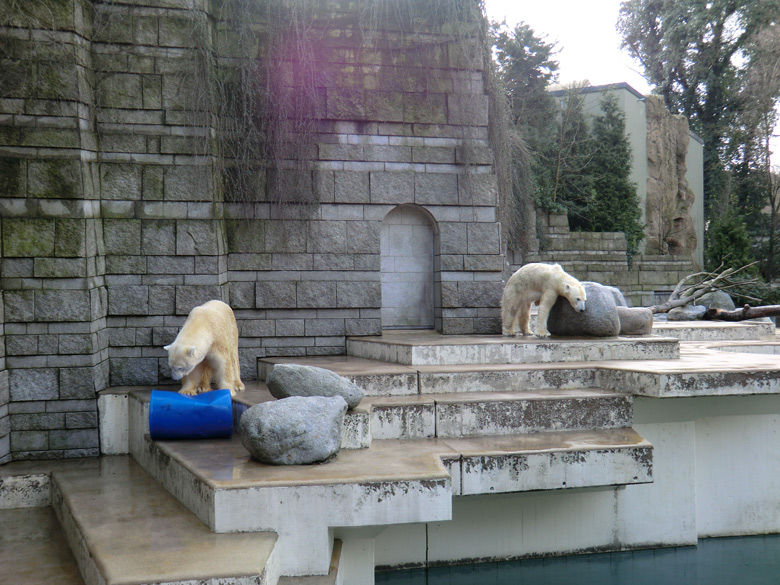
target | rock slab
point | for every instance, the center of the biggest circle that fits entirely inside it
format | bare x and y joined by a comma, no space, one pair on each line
717,299
286,380
299,430
600,318
686,313
635,320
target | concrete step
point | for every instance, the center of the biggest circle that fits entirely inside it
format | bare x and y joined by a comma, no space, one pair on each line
499,414
612,258
429,348
715,330
553,460
33,550
468,414
360,488
378,378
123,527
392,482
702,370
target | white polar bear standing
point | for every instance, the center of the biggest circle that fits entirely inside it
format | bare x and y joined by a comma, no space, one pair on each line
206,348
541,284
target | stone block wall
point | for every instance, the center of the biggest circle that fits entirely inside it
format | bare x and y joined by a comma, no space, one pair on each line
404,123
54,295
161,209
5,419
117,218
601,257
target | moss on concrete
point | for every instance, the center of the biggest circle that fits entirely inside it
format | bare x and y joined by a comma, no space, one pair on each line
28,238
12,177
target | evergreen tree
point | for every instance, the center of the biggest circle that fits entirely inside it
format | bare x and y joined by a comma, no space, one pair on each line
615,204
728,241
566,183
527,67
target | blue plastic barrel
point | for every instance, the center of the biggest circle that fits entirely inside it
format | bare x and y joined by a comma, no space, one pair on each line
202,416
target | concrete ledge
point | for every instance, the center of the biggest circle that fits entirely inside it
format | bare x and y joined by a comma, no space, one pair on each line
553,460
500,414
123,527
33,549
392,482
432,349
714,330
228,491
376,378
700,371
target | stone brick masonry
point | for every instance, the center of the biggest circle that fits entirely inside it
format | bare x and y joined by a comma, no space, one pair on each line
115,219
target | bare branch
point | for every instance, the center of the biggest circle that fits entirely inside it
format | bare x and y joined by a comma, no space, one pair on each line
711,281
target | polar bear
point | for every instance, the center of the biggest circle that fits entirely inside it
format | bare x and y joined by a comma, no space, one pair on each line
206,348
541,284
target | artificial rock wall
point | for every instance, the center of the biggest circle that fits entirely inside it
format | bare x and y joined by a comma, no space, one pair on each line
117,217
670,228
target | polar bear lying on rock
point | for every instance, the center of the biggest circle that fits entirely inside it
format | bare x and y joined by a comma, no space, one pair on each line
206,348
541,284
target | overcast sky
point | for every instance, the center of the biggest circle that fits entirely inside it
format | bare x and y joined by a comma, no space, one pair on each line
586,38
584,31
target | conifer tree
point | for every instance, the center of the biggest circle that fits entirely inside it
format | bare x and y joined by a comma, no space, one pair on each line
615,205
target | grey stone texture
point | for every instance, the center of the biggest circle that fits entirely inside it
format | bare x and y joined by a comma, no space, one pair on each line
671,232
600,318
111,232
686,313
635,320
285,380
717,299
620,300
299,430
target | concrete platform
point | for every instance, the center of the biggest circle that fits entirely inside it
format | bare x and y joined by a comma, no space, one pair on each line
400,481
378,378
715,330
701,371
106,521
124,528
464,414
413,478
33,550
429,348
229,492
553,460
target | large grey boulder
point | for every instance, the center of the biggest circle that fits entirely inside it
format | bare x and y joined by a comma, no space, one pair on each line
635,320
717,299
686,313
287,380
617,294
294,431
600,318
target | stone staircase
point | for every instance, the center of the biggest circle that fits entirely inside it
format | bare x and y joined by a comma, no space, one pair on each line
601,257
443,417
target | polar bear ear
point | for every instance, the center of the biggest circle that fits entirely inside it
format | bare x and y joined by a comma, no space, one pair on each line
167,347
567,288
192,351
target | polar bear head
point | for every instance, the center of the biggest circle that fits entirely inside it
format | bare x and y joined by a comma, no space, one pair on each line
182,359
575,294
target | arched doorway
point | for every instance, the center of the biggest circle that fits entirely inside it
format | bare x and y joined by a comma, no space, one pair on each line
408,247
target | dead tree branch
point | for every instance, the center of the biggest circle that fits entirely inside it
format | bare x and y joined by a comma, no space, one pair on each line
708,281
743,314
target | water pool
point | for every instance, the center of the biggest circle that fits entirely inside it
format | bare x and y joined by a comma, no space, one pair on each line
749,560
